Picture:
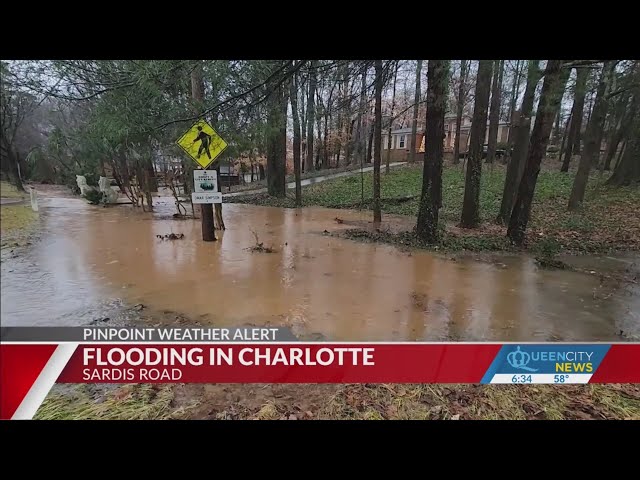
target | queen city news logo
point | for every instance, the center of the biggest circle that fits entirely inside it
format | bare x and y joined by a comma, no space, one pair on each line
555,359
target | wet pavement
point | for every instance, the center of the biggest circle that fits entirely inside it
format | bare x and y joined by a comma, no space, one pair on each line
312,180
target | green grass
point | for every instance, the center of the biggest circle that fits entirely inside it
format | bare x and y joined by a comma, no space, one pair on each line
351,401
130,402
9,191
607,221
17,223
483,402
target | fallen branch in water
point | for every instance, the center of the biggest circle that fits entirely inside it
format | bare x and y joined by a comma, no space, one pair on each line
259,246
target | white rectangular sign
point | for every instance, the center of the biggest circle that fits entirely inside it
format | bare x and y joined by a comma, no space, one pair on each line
205,181
210,197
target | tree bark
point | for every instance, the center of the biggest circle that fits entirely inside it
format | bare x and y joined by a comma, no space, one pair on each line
593,138
471,205
627,169
370,143
521,128
515,93
393,106
577,112
311,115
377,139
414,124
303,125
431,198
348,124
206,209
464,69
550,98
10,164
621,123
277,143
322,160
494,116
361,137
564,136
293,97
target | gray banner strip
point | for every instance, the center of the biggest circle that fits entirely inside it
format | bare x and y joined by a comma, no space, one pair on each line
139,334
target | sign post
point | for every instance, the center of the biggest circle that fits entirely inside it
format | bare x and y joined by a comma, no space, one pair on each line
203,144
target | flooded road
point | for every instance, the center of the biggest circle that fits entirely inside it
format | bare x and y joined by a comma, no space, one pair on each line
92,261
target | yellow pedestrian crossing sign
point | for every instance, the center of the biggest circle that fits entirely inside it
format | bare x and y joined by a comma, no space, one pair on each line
202,143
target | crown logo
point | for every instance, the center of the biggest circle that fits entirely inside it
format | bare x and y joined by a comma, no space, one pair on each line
520,360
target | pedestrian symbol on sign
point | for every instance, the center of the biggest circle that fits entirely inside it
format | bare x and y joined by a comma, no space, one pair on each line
202,143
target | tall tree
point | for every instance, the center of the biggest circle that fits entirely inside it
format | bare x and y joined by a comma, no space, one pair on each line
515,93
416,107
206,209
431,197
462,90
362,137
577,112
348,121
555,78
277,142
627,170
593,137
471,204
377,143
494,116
311,115
620,125
393,106
293,96
521,126
14,107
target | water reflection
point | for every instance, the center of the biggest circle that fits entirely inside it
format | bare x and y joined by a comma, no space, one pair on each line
313,283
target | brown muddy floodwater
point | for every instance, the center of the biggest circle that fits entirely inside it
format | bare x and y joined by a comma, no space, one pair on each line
92,261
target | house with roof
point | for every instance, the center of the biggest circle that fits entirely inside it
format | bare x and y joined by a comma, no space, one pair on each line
401,138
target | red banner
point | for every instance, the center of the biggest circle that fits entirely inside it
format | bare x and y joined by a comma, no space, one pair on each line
280,363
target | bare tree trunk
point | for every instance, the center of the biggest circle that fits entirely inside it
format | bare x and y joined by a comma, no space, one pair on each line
515,93
393,106
348,124
361,143
323,146
10,166
564,136
577,112
521,128
277,143
311,115
464,69
555,78
303,125
593,138
431,198
471,204
370,143
293,97
377,213
627,169
416,107
151,173
621,125
494,116
206,209
556,131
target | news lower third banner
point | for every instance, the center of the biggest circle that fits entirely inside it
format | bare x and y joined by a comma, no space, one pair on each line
33,359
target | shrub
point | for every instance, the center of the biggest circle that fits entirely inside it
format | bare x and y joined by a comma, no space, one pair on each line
94,197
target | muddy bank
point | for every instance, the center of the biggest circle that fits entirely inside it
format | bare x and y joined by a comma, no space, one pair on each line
345,402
